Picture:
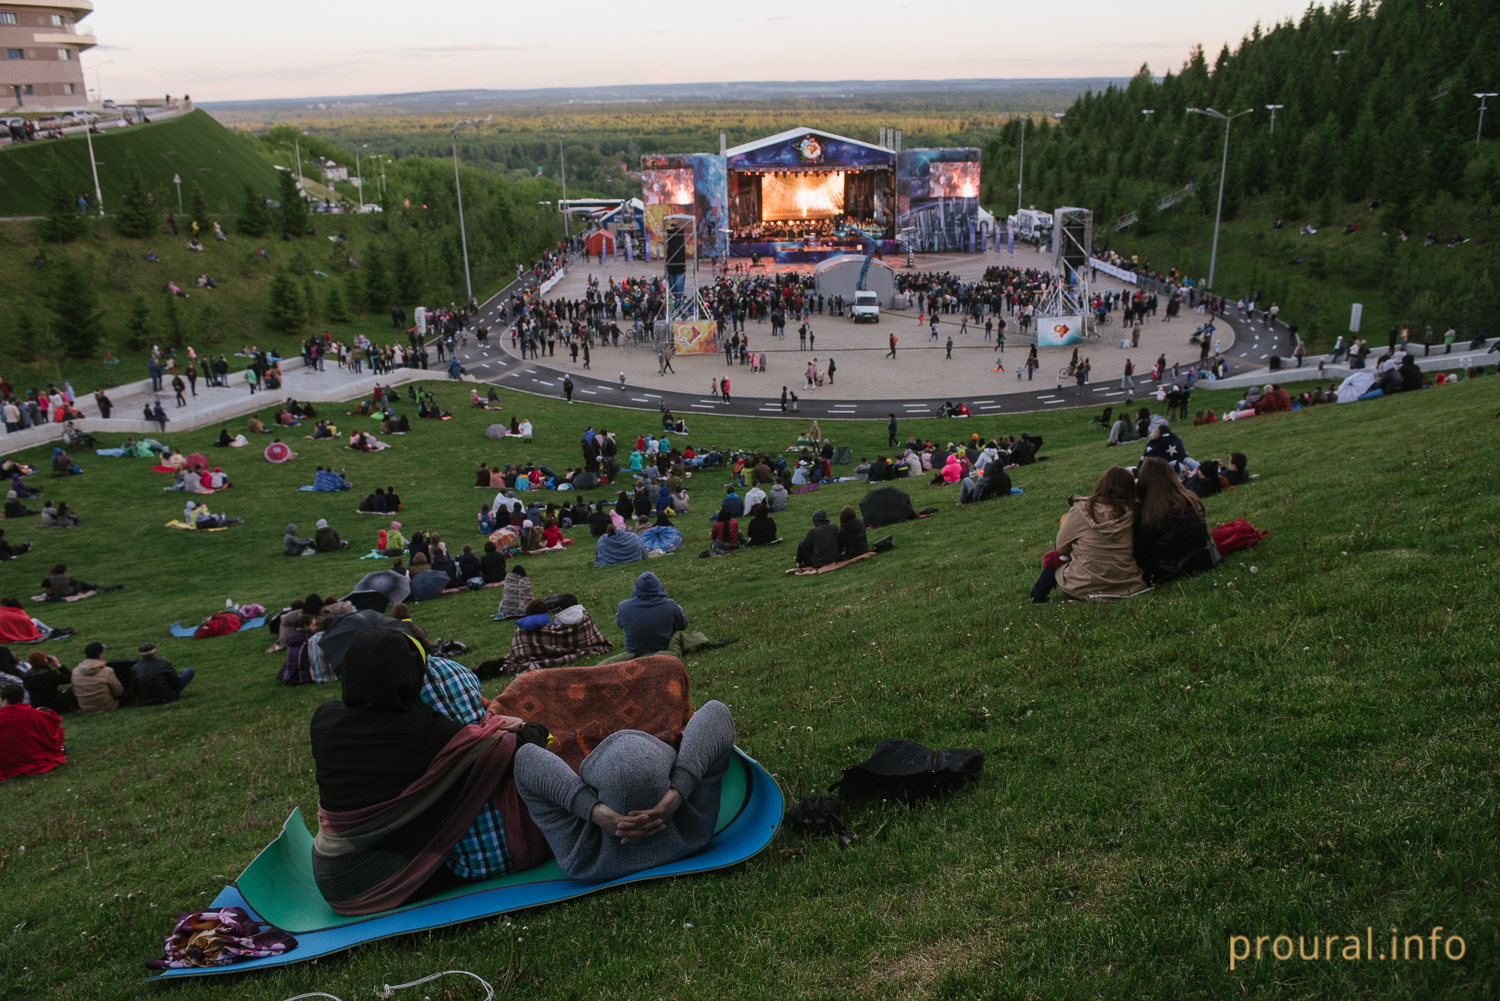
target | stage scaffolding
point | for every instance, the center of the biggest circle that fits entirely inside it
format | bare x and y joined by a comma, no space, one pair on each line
1072,246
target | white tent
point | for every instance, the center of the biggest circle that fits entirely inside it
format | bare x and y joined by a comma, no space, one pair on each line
839,275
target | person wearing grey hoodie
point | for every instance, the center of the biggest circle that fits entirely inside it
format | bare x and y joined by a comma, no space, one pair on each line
635,803
820,546
295,546
648,617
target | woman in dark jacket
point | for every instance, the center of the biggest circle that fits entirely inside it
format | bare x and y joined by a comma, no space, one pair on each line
1171,537
762,528
492,564
624,507
852,540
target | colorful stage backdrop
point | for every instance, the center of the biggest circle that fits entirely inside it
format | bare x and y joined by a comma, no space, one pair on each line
938,197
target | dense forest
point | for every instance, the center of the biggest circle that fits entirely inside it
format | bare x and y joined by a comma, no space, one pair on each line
1376,125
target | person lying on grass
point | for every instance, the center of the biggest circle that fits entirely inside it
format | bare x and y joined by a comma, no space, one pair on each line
635,803
60,584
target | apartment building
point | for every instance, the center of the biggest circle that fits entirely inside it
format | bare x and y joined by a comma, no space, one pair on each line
40,70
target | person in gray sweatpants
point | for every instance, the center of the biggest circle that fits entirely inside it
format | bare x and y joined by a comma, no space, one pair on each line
635,803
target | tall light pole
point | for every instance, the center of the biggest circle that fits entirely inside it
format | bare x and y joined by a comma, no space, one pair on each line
1021,171
1273,108
562,161
1213,258
1482,96
360,174
88,137
1338,55
458,187
1148,111
97,85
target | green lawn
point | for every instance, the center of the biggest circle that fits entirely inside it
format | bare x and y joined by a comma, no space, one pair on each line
1302,742
194,147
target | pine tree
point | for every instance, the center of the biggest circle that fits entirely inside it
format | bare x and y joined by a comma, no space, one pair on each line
1357,168
309,301
410,284
75,315
254,218
354,293
200,212
334,308
136,217
1320,157
172,324
285,313
293,205
63,223
139,330
378,294
28,334
1401,177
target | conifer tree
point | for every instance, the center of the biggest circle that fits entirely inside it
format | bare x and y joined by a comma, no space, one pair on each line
293,205
139,329
254,218
333,307
63,222
286,304
74,304
136,217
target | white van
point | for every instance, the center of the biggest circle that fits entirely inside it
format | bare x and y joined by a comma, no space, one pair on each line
866,307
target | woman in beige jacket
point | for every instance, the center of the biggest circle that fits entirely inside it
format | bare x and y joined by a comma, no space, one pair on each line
1095,544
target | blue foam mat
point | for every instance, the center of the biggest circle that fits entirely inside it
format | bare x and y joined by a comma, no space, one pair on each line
744,838
180,630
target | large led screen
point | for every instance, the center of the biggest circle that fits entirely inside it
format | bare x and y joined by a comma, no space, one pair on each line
953,180
668,187
802,196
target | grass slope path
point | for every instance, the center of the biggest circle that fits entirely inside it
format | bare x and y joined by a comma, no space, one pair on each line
1300,743
195,146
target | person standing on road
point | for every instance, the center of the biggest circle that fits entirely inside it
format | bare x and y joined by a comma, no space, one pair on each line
831,369
622,382
192,375
568,388
892,352
177,387
724,388
949,355
783,399
1127,382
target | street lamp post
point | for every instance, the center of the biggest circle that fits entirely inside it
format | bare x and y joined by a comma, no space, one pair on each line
1148,111
458,188
97,85
562,161
1273,108
1213,258
177,180
359,174
88,134
1338,55
1482,95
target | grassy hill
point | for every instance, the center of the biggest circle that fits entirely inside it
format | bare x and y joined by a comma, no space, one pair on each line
195,147
1301,742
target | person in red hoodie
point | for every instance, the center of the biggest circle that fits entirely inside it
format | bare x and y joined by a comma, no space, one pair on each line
31,740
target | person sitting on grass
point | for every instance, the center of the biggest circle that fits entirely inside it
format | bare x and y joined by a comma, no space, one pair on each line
635,803
1236,472
31,738
326,538
651,620
725,534
293,546
10,550
1171,538
48,683
820,546
60,584
379,841
492,564
852,539
390,542
516,595
375,503
1095,555
762,528
540,642
95,684
58,517
62,464
156,683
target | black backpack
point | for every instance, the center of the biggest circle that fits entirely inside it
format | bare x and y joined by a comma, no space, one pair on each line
901,769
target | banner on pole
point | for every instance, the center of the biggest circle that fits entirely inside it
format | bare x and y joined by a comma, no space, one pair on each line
697,337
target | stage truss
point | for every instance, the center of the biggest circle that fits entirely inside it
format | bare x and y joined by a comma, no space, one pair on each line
1072,245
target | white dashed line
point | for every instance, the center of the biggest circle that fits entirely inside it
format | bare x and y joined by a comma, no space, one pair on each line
589,391
701,406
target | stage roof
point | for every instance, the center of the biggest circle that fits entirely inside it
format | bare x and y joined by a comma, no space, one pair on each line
797,133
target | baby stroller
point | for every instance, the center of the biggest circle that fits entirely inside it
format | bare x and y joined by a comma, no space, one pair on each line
1101,423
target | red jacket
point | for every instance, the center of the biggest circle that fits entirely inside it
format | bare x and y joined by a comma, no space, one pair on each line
31,741
16,625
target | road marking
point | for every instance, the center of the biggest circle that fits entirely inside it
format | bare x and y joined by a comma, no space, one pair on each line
639,399
589,391
770,410
992,406
1050,402
1263,356
543,382
1119,392
701,406
984,401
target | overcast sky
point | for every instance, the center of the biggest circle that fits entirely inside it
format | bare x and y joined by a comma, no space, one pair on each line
225,51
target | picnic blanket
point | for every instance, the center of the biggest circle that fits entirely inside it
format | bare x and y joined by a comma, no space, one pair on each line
548,549
813,571
327,480
278,886
465,587
555,644
71,597
622,547
580,706
179,523
182,632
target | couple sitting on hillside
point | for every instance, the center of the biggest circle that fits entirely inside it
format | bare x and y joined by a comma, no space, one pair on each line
1130,534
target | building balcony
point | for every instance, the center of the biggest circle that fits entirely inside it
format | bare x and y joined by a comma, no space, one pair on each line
78,8
80,42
